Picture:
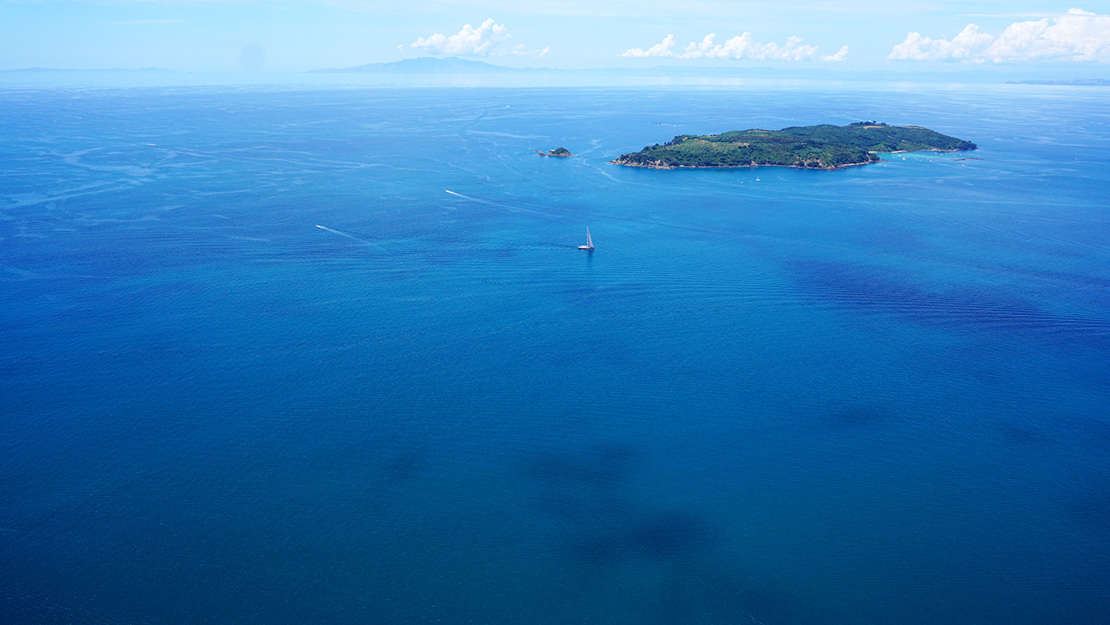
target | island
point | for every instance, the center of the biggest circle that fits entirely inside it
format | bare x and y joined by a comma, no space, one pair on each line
559,152
823,146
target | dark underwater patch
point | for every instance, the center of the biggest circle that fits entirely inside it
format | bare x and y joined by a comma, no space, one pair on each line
403,464
602,464
878,290
662,537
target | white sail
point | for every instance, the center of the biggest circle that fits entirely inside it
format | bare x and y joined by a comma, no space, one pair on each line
589,242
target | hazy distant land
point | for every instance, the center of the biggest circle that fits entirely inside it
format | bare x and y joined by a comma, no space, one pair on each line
433,68
1079,82
423,65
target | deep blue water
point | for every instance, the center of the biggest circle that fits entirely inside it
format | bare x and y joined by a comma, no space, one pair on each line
260,366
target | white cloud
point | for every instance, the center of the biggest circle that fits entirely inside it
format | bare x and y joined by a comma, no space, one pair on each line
840,55
739,47
969,43
663,48
488,39
1073,36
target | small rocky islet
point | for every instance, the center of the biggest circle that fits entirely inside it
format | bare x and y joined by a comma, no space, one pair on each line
557,152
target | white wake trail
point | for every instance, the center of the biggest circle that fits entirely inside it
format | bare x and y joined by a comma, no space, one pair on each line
349,236
512,208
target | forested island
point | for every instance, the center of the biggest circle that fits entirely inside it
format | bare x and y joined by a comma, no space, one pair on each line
812,147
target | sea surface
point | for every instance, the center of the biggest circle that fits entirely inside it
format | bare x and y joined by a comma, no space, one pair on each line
324,355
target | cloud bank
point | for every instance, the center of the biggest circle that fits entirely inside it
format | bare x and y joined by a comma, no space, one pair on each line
488,39
739,47
1073,36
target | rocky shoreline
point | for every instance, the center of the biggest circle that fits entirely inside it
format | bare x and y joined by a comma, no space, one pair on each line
662,165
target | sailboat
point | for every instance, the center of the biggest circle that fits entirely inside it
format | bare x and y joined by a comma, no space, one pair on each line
589,242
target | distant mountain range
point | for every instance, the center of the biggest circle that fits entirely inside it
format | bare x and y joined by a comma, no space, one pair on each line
423,65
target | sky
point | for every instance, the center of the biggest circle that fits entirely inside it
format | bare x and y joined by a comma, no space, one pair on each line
1035,36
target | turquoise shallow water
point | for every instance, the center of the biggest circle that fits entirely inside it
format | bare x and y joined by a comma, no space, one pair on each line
332,356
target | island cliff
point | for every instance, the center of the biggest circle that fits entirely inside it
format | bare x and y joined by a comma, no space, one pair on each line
812,147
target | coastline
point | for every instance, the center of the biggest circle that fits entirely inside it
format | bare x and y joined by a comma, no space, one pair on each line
658,165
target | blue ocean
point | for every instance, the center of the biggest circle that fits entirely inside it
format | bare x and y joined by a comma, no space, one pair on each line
332,355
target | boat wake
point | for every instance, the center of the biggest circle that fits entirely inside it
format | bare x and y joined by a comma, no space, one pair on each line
344,234
512,208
